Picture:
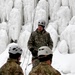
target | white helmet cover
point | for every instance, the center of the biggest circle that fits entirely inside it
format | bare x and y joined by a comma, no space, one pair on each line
44,50
14,49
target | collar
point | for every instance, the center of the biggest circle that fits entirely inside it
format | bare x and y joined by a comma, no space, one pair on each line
43,63
13,60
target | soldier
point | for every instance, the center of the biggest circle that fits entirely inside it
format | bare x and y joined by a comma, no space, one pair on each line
12,66
40,37
44,68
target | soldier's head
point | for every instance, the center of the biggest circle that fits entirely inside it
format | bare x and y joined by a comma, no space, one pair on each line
45,54
15,52
41,24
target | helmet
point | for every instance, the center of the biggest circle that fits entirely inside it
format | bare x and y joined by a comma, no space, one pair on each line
14,49
44,50
42,23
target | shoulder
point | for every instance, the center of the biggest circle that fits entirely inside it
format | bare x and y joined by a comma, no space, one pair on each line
35,70
12,64
56,71
34,33
11,68
46,32
38,70
3,69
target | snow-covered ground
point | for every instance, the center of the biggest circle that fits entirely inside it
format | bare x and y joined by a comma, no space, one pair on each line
18,18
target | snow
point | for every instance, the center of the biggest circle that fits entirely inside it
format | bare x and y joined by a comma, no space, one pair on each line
63,47
53,35
72,21
14,24
4,26
65,3
64,17
72,7
28,10
54,6
3,40
8,8
18,18
65,63
69,35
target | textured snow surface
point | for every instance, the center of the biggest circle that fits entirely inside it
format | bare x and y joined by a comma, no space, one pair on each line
18,18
